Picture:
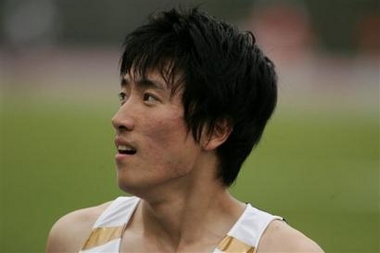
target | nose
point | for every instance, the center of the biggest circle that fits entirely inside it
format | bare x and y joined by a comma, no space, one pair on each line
123,120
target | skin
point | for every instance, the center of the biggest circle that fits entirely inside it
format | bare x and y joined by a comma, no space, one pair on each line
184,208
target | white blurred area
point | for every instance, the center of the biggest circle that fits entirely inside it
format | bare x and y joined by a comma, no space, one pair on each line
34,59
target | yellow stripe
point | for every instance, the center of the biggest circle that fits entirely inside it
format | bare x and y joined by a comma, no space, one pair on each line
100,236
232,245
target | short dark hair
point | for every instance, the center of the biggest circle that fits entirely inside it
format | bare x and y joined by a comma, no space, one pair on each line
223,76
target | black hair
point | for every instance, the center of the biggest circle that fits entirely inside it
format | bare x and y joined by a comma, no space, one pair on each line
222,73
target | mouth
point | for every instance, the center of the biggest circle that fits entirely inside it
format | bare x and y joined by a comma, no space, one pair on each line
126,150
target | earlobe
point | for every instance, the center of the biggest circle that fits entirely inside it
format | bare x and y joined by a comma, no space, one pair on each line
218,135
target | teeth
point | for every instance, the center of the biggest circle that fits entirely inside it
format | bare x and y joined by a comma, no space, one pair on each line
124,148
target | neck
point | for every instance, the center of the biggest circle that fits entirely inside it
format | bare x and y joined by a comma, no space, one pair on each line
190,213
206,211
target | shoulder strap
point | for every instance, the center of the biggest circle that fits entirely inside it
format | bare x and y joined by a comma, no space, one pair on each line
109,228
118,212
245,235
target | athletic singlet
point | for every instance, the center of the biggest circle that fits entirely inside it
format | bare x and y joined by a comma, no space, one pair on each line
108,230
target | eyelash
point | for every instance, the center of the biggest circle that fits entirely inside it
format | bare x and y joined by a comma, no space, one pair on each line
146,97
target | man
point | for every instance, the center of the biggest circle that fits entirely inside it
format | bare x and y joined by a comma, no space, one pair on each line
196,94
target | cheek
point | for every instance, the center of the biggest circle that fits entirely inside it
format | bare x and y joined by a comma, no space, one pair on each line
169,142
165,143
167,130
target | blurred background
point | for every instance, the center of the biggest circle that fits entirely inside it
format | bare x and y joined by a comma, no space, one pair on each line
317,165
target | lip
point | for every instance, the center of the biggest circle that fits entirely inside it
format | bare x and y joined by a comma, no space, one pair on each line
120,157
119,141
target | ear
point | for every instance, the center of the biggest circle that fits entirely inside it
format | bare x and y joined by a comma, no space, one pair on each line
218,135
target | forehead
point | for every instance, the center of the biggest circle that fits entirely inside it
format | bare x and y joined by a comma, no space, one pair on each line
160,78
152,78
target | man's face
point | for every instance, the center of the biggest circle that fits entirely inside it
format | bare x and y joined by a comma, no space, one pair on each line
154,146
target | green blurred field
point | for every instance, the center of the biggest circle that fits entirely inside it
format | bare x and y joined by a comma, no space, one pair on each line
318,168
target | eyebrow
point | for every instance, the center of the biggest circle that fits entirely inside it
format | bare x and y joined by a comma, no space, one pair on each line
143,83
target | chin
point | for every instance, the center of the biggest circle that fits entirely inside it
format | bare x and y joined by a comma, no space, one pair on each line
124,185
130,187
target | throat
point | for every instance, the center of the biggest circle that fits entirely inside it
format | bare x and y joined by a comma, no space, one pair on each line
188,229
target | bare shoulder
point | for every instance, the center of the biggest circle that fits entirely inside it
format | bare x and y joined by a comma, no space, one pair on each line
69,233
280,237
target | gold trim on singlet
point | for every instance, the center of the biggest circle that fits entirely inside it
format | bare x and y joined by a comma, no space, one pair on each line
102,235
231,244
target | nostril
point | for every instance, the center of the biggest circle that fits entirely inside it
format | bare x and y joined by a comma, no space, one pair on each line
121,128
118,124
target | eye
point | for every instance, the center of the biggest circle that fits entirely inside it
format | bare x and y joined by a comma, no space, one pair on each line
149,97
122,97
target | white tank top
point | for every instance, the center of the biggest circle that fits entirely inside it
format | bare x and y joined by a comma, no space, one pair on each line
108,230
